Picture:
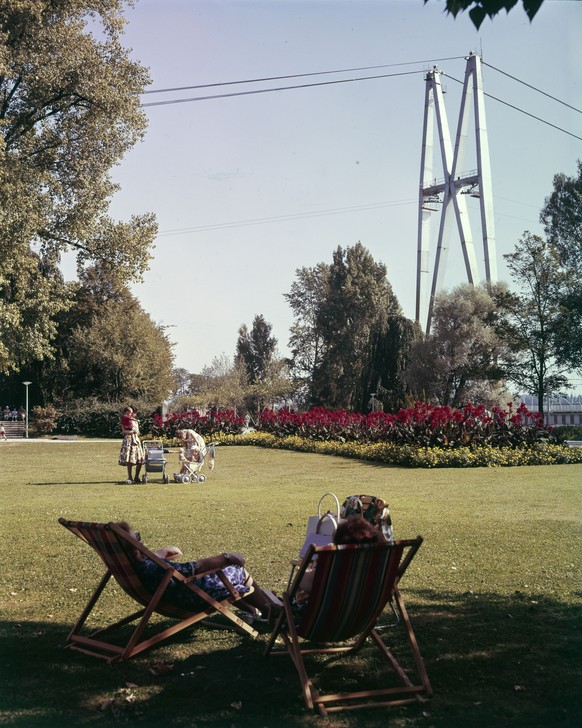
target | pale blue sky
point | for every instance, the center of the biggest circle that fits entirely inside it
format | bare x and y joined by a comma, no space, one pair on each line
322,166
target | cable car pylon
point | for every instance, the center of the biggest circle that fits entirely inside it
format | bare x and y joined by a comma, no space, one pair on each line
449,192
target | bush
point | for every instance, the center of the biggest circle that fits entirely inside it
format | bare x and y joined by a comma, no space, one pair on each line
567,432
91,418
417,456
209,425
45,419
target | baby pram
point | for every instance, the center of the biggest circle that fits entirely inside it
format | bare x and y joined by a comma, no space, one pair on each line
155,462
195,463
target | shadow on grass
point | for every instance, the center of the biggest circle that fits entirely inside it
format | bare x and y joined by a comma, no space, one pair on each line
84,482
492,660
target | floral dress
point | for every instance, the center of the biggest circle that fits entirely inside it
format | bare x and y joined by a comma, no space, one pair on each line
179,594
131,452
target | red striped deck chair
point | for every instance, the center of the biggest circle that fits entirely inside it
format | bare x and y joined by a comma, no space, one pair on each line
351,586
114,545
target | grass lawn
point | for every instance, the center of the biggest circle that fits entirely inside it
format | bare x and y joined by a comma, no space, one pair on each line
494,594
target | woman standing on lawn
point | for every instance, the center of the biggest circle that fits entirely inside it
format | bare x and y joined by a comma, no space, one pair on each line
131,448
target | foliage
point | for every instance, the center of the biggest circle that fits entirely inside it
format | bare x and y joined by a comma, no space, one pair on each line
70,111
527,319
92,418
418,456
306,341
106,346
567,432
457,361
562,220
255,349
422,426
182,382
480,9
209,425
349,337
44,418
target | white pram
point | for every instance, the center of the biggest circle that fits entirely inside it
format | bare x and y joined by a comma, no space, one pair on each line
193,458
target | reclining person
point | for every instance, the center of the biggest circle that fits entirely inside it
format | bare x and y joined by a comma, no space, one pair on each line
151,574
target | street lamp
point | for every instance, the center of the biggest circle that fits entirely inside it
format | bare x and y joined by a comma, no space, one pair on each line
26,385
373,401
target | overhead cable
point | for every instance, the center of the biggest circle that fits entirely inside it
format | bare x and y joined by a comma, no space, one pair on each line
279,88
292,216
534,88
297,75
522,111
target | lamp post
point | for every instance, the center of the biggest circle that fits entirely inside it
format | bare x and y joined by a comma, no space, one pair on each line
373,401
26,427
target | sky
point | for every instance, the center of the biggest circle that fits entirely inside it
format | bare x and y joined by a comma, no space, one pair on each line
249,188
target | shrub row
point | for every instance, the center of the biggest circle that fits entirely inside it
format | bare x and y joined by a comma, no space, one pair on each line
91,418
418,456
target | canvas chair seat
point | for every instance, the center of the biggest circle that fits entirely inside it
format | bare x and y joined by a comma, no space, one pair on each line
351,586
114,545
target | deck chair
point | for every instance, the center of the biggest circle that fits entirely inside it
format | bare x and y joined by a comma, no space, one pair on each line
114,544
351,587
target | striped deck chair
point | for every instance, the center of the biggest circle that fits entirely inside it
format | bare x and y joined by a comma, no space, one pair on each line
351,586
114,545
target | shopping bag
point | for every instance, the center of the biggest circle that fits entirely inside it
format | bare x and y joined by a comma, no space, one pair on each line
321,528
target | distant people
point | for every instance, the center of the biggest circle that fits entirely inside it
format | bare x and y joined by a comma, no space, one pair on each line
7,413
21,414
131,454
14,415
2,433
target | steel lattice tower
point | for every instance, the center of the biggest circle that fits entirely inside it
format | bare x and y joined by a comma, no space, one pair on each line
452,190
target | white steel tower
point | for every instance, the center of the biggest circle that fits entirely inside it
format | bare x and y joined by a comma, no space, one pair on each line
449,190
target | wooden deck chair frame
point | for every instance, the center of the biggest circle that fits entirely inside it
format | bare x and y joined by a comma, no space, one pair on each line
351,586
114,544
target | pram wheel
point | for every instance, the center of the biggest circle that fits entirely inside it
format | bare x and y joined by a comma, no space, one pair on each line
185,479
201,478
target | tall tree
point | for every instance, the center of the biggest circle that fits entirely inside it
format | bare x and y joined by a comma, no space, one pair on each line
562,220
106,347
305,343
121,355
355,309
528,318
255,349
69,111
457,361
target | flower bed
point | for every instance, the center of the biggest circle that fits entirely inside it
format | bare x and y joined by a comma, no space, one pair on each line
418,457
422,436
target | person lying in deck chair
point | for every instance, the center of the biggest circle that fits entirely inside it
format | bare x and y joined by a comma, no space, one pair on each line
257,604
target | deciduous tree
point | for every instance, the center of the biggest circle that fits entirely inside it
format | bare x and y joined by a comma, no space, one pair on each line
528,318
306,341
457,362
562,220
69,111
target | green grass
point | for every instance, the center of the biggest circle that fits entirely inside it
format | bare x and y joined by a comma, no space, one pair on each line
494,593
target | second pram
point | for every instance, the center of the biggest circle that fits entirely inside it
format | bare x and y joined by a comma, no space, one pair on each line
193,458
